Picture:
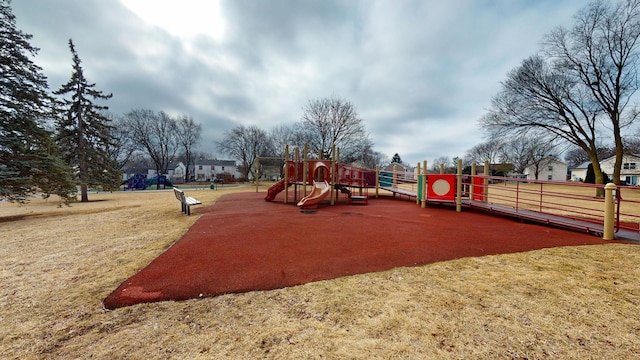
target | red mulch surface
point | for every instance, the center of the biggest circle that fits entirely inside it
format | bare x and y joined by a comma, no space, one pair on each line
243,243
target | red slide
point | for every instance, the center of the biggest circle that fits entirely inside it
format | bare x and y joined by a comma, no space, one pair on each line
274,190
318,193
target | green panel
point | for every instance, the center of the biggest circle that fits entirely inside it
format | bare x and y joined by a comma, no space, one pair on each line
420,177
386,178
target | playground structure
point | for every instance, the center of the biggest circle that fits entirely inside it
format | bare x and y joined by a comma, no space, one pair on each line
327,178
564,204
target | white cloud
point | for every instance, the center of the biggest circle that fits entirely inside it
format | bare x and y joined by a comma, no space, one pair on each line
420,73
184,18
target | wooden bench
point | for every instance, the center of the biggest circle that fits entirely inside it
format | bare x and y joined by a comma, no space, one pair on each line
185,200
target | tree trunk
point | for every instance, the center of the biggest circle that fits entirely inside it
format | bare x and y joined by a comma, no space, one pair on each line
84,193
597,173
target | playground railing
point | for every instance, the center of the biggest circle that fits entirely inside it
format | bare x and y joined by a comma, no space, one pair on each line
571,200
399,181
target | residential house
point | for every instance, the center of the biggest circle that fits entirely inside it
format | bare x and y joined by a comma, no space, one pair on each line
209,170
549,169
404,171
630,171
579,173
176,172
505,169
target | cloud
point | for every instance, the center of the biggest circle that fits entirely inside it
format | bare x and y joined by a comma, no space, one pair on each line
420,73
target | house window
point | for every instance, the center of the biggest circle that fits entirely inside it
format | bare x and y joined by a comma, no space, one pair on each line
550,168
632,166
199,167
549,177
223,168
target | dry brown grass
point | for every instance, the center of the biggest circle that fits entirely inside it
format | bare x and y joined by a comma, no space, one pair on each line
57,264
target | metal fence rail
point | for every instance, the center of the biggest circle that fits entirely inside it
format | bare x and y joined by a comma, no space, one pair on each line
571,200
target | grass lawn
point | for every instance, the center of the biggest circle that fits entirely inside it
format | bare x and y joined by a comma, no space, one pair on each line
58,263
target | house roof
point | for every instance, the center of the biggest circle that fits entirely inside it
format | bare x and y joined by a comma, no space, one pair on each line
216,162
614,157
584,165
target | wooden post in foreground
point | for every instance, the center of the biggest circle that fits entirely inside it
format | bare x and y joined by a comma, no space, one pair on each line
609,211
424,184
286,174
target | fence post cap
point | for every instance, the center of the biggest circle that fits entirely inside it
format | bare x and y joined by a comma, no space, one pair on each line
610,186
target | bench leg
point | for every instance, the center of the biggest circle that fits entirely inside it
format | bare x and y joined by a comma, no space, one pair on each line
188,209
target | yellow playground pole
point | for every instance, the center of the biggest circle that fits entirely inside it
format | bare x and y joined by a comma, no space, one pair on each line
441,168
486,181
424,184
394,176
473,175
609,212
332,174
305,169
377,180
296,170
416,175
286,174
257,173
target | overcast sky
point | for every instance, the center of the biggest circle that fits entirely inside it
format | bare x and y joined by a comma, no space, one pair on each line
419,73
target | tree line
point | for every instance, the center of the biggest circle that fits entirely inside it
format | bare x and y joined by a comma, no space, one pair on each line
56,142
326,123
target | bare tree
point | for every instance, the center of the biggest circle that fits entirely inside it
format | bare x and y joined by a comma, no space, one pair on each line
154,133
435,165
334,121
122,148
486,151
245,144
523,152
538,98
600,54
575,156
188,136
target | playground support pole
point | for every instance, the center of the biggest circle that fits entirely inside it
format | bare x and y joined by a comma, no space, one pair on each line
296,172
377,180
257,173
486,181
424,184
286,174
417,176
441,168
394,181
609,211
332,174
459,187
473,174
305,169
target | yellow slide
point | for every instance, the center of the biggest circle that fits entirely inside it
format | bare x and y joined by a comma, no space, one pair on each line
319,191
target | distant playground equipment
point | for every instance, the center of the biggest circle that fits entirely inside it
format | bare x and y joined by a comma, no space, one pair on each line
140,182
529,200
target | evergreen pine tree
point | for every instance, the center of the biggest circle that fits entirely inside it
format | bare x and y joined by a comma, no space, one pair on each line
84,132
396,159
28,155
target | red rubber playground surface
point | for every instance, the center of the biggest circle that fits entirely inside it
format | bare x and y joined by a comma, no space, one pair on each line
243,243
